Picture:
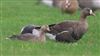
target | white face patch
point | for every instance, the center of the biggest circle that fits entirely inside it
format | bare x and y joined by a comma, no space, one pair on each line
91,12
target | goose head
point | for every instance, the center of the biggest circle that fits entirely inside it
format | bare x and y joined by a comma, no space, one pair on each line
87,12
45,28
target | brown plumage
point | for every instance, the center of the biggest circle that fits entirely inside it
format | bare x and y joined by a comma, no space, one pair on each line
70,7
75,29
65,36
37,35
66,6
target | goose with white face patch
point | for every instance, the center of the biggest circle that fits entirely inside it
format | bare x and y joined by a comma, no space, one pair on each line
72,31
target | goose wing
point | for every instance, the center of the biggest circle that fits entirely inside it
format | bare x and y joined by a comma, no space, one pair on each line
63,26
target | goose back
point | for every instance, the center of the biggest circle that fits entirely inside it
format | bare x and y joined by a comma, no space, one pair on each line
67,25
29,28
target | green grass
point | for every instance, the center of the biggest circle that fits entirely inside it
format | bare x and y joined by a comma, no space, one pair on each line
17,13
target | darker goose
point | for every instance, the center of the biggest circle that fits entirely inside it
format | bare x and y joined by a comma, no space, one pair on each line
71,31
39,35
69,25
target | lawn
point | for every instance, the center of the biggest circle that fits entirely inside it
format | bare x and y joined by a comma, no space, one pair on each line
14,14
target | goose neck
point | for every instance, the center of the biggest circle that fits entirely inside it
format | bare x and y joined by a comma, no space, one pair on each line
83,17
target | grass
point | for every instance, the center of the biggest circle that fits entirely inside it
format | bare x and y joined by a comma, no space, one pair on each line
17,13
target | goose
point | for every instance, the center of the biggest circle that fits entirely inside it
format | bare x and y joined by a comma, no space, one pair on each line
39,35
93,4
69,6
66,6
73,30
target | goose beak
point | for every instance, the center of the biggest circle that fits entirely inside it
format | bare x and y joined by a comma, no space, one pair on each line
91,13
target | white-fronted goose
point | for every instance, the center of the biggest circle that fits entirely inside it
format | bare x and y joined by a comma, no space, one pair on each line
66,6
39,35
75,29
69,6
93,4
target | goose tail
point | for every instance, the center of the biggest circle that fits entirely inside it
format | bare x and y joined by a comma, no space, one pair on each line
13,37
